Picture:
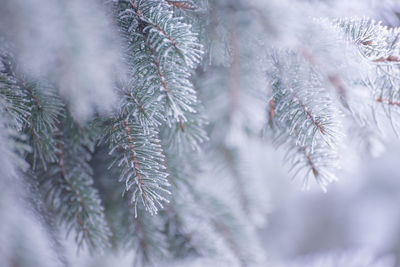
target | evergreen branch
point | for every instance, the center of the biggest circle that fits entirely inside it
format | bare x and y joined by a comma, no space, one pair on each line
45,107
69,180
320,161
158,77
151,23
35,107
132,150
160,24
152,81
304,120
132,227
376,43
370,37
378,46
34,98
13,99
179,93
170,74
168,95
141,94
140,157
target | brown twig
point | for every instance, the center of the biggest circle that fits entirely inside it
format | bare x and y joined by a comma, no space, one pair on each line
61,164
310,161
35,99
184,5
387,59
388,102
164,82
132,150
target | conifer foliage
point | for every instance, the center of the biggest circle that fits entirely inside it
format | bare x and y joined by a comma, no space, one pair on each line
129,123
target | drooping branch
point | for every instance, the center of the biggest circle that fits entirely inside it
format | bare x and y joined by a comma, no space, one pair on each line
69,180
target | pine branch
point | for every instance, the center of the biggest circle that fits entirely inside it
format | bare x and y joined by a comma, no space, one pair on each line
45,107
35,107
370,37
304,119
69,180
162,50
160,24
379,48
139,155
173,49
13,100
141,94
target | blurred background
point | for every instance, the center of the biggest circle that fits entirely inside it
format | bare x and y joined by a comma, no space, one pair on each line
358,213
